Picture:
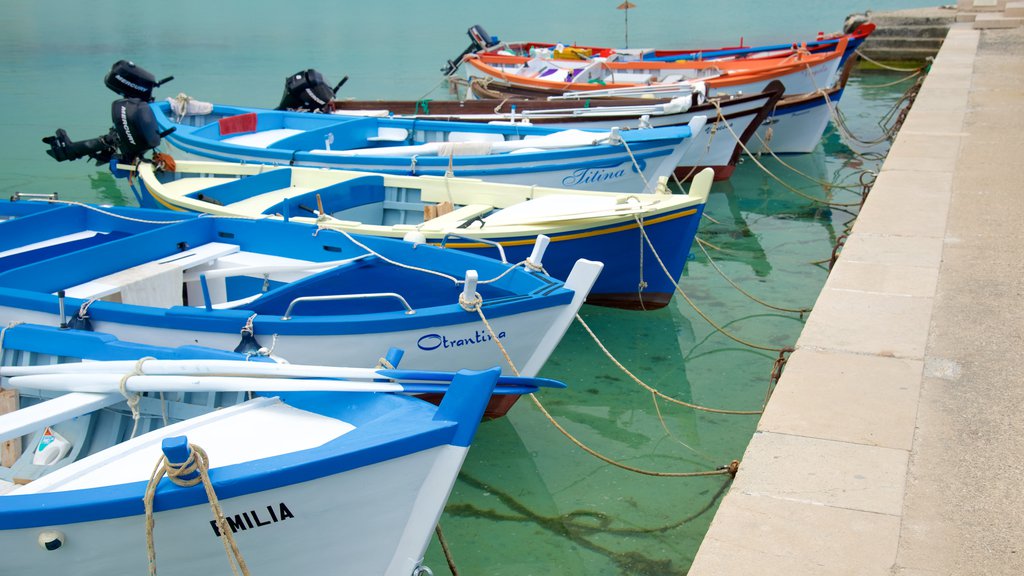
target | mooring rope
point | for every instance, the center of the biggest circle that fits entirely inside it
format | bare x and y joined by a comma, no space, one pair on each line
476,305
133,399
928,61
3,332
447,551
700,312
179,472
711,261
453,279
107,213
651,389
753,157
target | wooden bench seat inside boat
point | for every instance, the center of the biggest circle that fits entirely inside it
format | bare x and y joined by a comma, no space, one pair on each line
155,283
456,217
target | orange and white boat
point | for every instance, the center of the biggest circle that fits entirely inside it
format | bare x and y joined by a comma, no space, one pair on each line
800,72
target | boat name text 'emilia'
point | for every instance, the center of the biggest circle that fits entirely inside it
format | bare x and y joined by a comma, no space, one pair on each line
252,519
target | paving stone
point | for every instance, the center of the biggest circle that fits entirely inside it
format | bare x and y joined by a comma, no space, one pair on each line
846,397
771,537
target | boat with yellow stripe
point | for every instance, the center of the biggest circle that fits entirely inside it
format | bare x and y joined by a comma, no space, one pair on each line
642,239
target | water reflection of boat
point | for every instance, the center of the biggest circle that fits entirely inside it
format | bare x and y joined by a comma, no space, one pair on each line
589,517
753,200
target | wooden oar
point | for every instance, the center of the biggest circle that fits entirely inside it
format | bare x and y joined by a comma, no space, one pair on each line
99,383
255,370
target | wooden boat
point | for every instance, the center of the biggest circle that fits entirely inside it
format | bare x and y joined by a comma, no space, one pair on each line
616,161
485,218
801,72
287,289
320,475
743,113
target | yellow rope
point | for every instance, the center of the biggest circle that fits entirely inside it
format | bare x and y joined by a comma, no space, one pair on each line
197,462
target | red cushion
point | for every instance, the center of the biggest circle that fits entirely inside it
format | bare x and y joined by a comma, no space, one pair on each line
236,124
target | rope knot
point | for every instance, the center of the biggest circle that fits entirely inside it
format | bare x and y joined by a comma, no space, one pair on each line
529,265
471,306
132,399
186,473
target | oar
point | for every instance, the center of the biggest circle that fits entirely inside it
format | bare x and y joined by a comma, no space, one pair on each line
99,383
255,370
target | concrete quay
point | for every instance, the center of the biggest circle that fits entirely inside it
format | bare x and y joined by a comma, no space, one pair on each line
894,443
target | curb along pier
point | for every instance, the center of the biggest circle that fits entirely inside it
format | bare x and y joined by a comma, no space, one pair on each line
894,442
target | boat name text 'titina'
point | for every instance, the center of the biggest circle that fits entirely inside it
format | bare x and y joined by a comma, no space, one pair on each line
591,176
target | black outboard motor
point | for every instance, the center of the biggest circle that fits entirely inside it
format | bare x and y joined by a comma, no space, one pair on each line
135,128
480,40
307,91
131,81
134,133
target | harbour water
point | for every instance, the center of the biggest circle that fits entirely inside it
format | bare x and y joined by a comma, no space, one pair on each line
528,501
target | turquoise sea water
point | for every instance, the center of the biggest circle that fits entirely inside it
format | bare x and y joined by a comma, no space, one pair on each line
528,501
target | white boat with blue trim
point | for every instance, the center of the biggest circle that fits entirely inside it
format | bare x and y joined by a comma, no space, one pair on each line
327,475
307,295
617,160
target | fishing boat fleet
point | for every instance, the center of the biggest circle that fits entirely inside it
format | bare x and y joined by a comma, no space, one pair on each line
312,308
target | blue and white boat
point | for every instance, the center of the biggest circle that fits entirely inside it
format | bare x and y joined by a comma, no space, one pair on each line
327,474
287,289
610,160
643,240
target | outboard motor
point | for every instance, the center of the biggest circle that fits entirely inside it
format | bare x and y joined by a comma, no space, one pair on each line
135,128
480,40
134,133
307,91
131,81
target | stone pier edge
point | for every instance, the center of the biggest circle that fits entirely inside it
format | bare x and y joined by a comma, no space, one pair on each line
822,483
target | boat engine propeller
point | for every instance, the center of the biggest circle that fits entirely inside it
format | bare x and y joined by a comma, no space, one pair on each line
307,91
135,129
480,40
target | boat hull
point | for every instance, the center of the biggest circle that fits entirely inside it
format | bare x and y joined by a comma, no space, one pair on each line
714,146
379,517
633,167
797,125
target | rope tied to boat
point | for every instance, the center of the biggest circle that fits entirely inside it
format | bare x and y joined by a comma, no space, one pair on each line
474,306
164,162
111,214
642,284
700,312
701,243
3,333
456,281
754,159
636,164
132,399
536,401
194,470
